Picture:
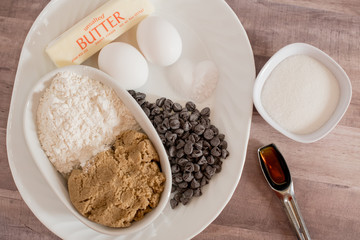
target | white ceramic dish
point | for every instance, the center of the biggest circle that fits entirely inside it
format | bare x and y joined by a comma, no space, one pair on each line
56,181
221,39
335,68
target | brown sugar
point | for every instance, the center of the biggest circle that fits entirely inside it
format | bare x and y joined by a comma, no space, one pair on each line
119,185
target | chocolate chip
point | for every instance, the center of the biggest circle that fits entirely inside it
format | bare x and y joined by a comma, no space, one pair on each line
161,128
174,117
183,185
184,201
166,123
172,161
224,153
203,167
217,168
194,184
210,160
158,119
174,124
198,145
182,162
199,129
155,111
177,107
160,102
147,111
172,151
194,116
196,153
175,169
223,144
163,139
205,122
184,114
180,144
170,137
196,167
221,137
188,148
132,93
206,144
173,203
187,177
168,104
151,105
208,134
168,113
189,167
206,152
202,161
178,178
177,196
198,175
216,152
208,176
214,129
205,112
185,135
204,181
140,96
179,132
188,193
192,139
215,142
190,106
210,170
180,153
186,126
197,192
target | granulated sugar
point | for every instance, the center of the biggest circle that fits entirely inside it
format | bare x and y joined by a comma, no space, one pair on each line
77,118
300,94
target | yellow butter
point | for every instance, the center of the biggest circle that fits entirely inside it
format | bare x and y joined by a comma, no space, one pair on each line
98,29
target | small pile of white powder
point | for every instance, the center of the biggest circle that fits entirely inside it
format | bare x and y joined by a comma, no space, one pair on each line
195,81
77,118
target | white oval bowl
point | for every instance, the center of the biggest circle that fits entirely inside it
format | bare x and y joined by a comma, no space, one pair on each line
57,181
335,68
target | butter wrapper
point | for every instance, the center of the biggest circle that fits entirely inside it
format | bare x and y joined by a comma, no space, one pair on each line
96,30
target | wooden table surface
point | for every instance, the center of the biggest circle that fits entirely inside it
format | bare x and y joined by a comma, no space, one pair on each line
326,173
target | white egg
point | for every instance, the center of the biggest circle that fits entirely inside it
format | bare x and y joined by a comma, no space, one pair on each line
125,64
159,41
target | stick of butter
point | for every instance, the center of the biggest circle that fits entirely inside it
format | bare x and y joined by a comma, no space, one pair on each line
98,29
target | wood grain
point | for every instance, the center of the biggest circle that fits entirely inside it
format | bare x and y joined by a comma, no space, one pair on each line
326,173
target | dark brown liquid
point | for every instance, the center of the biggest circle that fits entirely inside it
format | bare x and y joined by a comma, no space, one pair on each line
270,157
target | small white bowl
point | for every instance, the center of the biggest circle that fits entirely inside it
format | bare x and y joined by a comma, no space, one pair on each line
56,180
335,68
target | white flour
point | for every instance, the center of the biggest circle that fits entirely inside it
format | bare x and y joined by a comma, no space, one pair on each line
77,118
300,94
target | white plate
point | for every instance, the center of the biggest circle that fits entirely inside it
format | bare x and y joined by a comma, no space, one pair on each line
210,30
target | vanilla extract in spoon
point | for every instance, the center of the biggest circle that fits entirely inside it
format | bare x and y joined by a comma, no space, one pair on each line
276,171
278,176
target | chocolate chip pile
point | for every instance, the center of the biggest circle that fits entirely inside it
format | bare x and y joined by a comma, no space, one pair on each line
194,146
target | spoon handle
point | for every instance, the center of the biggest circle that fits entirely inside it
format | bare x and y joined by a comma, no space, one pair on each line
295,217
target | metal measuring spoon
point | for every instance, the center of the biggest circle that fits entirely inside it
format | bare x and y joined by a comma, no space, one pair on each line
278,176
